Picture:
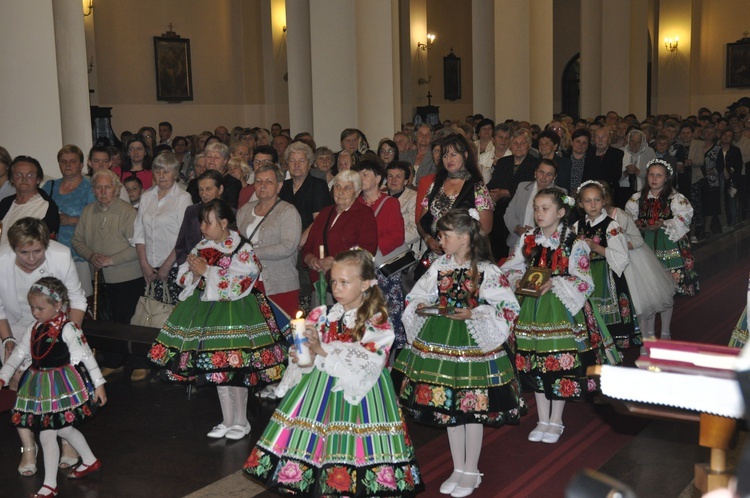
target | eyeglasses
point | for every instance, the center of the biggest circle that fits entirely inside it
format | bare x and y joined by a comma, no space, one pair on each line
21,176
136,149
387,151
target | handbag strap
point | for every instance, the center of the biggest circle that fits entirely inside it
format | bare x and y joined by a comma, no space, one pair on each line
325,230
151,291
250,237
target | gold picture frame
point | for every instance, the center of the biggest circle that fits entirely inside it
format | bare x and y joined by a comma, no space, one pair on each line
533,280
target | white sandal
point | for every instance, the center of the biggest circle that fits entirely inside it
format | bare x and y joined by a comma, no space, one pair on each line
461,492
537,434
550,437
29,469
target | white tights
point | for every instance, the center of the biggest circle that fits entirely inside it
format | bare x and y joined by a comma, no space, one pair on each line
466,445
51,451
648,325
549,411
233,401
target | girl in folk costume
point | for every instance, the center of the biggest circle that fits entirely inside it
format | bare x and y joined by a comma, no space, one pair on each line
339,430
62,387
558,334
222,331
663,216
651,286
609,258
458,367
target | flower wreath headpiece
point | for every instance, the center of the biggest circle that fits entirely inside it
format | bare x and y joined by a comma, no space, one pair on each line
568,200
590,182
661,162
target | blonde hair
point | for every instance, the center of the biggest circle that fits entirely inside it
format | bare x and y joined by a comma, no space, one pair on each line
373,301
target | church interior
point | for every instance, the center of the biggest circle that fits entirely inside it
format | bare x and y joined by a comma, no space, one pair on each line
324,65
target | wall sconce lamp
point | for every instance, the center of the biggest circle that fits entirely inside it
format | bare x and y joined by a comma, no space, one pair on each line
90,6
670,44
425,47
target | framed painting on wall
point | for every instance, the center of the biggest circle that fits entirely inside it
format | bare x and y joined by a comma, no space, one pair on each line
174,76
738,64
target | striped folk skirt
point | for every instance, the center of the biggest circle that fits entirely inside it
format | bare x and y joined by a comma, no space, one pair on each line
318,444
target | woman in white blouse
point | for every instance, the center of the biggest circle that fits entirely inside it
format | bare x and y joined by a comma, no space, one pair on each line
160,215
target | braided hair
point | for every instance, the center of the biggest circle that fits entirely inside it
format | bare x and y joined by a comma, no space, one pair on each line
461,222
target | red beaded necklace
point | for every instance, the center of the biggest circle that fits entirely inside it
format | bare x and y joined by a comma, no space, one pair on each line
50,329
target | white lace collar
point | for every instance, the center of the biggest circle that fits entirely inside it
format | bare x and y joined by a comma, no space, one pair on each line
337,311
553,242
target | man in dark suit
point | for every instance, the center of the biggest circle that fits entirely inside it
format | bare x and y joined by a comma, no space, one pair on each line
604,162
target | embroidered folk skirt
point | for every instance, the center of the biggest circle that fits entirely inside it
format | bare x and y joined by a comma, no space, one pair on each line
677,258
739,333
53,398
449,380
554,347
222,342
318,444
612,299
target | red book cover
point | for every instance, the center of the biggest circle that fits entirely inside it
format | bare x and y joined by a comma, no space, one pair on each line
689,358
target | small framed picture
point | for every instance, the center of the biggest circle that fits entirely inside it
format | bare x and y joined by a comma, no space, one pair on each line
533,280
738,64
174,74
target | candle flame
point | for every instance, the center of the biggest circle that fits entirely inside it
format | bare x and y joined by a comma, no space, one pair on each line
299,314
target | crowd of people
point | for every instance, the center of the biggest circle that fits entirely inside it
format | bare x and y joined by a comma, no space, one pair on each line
241,229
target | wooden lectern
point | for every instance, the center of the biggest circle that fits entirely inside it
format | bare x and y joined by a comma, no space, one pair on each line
708,395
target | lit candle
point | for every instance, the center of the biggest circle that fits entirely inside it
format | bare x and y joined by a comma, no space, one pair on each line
322,252
300,341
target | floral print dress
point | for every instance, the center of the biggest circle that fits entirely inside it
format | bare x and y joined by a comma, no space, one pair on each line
611,294
559,334
669,242
339,430
461,371
57,390
222,331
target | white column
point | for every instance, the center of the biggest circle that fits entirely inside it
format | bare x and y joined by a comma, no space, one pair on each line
299,67
72,73
30,120
615,71
483,56
638,57
541,61
591,58
512,60
378,84
334,73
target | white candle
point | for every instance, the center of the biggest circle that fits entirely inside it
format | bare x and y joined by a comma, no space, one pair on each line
300,341
322,252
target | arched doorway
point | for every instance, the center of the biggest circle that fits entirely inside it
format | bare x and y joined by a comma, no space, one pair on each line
571,87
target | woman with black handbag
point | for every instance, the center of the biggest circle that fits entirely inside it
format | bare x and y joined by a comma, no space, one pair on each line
458,184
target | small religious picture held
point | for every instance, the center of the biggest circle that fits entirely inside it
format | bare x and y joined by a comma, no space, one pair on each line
532,281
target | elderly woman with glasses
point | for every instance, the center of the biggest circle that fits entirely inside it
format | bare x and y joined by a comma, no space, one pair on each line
345,224
26,174
274,227
158,222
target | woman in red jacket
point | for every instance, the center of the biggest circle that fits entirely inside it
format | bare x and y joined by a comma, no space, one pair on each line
337,228
390,223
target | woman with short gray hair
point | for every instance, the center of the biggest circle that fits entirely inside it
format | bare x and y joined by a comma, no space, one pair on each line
157,224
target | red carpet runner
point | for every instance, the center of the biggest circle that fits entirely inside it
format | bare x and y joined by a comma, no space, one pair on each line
515,467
